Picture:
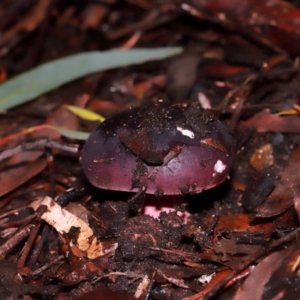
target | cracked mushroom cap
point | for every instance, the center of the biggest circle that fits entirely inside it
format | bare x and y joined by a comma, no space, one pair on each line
170,151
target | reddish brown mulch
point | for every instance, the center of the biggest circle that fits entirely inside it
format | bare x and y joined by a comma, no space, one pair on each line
241,238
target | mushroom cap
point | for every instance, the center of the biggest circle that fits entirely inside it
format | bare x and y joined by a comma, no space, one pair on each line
174,150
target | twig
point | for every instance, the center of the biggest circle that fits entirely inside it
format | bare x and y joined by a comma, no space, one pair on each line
37,145
28,246
12,242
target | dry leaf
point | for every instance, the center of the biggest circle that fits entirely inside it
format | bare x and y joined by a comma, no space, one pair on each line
63,221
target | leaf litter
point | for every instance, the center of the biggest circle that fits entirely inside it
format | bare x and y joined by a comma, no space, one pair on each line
244,231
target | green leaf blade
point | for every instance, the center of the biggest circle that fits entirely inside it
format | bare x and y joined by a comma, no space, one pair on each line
51,75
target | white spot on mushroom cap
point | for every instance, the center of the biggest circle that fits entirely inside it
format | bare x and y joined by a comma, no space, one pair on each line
186,132
219,166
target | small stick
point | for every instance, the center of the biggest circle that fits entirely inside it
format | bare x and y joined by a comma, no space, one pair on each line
37,145
12,242
28,246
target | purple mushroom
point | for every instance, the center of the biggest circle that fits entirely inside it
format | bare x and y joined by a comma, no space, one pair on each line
163,150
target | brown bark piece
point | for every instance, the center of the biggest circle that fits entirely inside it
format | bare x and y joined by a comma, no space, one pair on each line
282,196
272,23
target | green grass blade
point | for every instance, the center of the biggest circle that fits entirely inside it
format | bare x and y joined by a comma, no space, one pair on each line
72,134
51,75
